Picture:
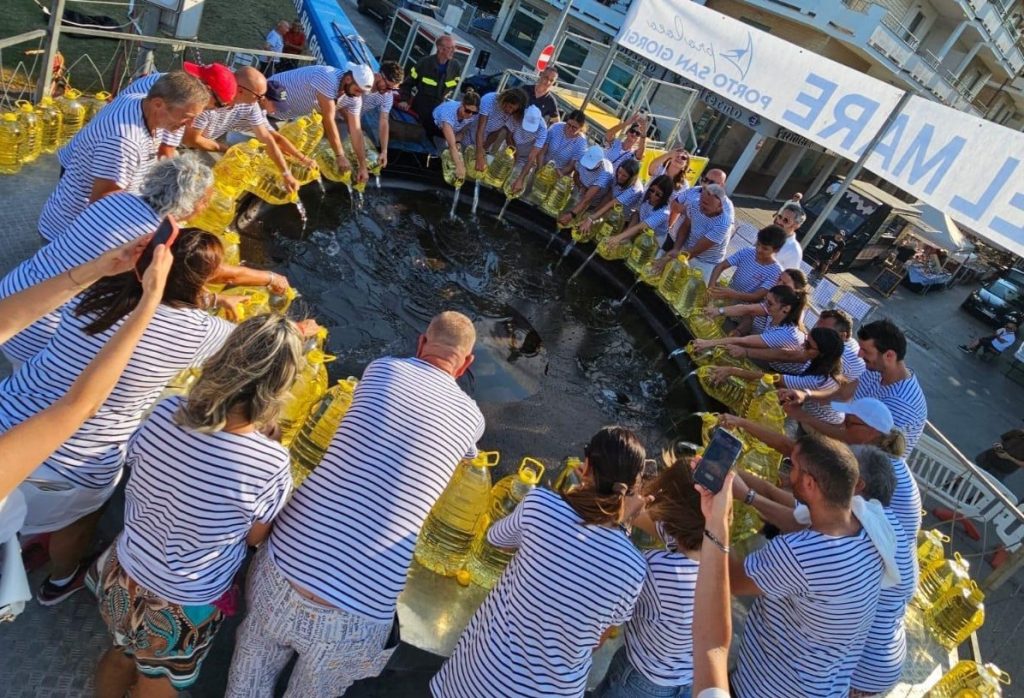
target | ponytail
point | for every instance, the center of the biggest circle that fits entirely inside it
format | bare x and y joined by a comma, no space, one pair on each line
894,443
615,458
796,300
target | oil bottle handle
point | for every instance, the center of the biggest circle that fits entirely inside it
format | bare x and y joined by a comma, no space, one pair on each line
530,465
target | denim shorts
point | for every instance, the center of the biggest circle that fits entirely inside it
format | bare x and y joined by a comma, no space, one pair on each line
624,681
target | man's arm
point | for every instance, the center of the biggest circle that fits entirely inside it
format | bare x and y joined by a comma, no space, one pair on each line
195,139
739,582
328,110
384,129
718,271
102,187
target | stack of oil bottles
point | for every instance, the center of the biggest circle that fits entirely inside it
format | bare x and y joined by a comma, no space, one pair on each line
29,130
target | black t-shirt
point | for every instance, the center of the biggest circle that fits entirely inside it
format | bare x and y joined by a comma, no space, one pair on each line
547,104
833,247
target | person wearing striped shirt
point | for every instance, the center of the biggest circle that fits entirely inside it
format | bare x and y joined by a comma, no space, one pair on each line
627,191
566,143
456,120
380,99
883,346
206,482
657,657
692,194
594,175
817,589
756,269
530,637
528,138
497,111
785,309
675,163
633,145
653,214
340,551
115,150
69,489
327,90
704,233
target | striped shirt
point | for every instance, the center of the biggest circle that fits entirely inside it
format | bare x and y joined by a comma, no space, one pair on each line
853,365
659,636
630,196
805,631
216,123
448,113
536,631
378,101
108,223
348,533
601,176
496,116
906,499
656,219
350,105
751,275
302,86
716,229
191,501
562,149
116,145
141,86
616,154
526,140
881,660
176,339
822,409
905,400
785,337
688,195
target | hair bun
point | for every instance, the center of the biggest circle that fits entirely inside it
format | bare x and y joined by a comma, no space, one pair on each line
620,488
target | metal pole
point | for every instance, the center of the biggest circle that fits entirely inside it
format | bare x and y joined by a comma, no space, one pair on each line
53,31
562,21
602,73
854,171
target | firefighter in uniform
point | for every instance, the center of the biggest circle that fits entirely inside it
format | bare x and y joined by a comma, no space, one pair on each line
431,81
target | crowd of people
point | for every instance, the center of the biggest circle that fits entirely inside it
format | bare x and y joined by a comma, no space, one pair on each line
98,321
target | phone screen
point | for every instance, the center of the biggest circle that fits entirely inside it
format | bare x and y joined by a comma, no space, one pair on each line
720,455
166,234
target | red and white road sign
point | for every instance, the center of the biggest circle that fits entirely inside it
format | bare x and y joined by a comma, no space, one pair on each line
545,56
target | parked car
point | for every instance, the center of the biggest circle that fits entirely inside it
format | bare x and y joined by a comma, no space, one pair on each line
999,300
385,10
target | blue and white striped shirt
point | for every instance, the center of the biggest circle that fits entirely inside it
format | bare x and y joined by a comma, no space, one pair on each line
616,154
562,149
822,409
750,275
905,400
525,140
116,145
906,499
191,501
216,123
108,223
805,632
881,660
141,86
659,636
496,116
175,339
656,219
378,101
853,365
303,85
631,196
717,229
530,637
601,176
785,337
396,449
448,113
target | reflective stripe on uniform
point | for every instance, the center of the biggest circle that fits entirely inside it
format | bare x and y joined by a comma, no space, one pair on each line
430,82
451,83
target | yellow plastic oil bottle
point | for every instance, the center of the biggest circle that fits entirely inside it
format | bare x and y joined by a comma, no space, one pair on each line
939,577
268,183
956,614
280,302
51,125
644,249
558,199
486,562
12,139
708,422
297,132
611,223
930,547
746,522
314,133
542,184
32,127
219,211
252,301
614,250
759,458
234,171
71,107
694,293
447,534
569,478
232,243
309,445
969,679
469,157
93,104
701,326
507,188
670,287
500,168
310,385
448,169
328,164
764,407
732,392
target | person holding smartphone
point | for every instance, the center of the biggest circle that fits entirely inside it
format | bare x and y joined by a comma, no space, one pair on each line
206,482
70,488
575,574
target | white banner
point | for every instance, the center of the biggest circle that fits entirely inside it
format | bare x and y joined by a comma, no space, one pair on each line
958,163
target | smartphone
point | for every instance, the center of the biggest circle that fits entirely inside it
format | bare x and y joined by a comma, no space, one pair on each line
166,234
721,454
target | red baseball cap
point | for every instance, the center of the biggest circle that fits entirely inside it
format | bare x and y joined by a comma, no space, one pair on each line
218,77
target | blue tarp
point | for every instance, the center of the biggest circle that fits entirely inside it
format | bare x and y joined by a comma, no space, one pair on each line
331,36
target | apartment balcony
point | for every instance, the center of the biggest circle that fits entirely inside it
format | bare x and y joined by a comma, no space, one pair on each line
994,20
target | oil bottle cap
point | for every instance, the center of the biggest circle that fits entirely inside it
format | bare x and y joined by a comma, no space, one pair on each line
46,101
10,116
530,471
25,106
102,95
72,93
486,459
317,117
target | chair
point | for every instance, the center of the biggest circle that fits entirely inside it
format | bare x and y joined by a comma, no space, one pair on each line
242,60
853,304
823,293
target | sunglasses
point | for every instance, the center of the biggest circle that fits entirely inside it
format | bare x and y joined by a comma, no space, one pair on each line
254,93
470,111
705,180
634,132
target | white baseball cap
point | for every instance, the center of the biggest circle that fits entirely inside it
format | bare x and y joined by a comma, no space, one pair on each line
592,158
532,119
361,74
872,412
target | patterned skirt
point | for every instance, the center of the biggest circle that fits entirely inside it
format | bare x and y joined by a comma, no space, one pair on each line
164,638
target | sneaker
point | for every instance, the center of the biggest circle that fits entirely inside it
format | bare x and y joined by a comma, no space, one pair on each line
49,594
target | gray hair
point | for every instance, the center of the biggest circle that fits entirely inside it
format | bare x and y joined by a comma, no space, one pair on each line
178,88
876,472
716,190
177,185
254,369
797,210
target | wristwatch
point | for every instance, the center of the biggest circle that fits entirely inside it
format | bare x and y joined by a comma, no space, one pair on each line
721,311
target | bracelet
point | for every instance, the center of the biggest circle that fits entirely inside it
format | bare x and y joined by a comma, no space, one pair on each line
719,544
749,499
270,279
76,284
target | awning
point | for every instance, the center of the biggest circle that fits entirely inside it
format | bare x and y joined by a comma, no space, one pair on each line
937,228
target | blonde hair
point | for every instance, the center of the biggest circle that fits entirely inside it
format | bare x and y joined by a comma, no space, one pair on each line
255,368
894,443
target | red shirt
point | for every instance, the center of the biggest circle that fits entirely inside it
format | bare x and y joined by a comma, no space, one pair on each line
294,41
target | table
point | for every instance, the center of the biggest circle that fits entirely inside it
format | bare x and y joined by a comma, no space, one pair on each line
923,279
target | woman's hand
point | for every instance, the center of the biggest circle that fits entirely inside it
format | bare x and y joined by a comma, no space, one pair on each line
720,373
717,507
736,351
701,344
795,397
123,258
307,328
460,169
730,421
278,283
711,311
565,219
230,304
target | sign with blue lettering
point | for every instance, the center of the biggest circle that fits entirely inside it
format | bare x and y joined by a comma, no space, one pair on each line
963,165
